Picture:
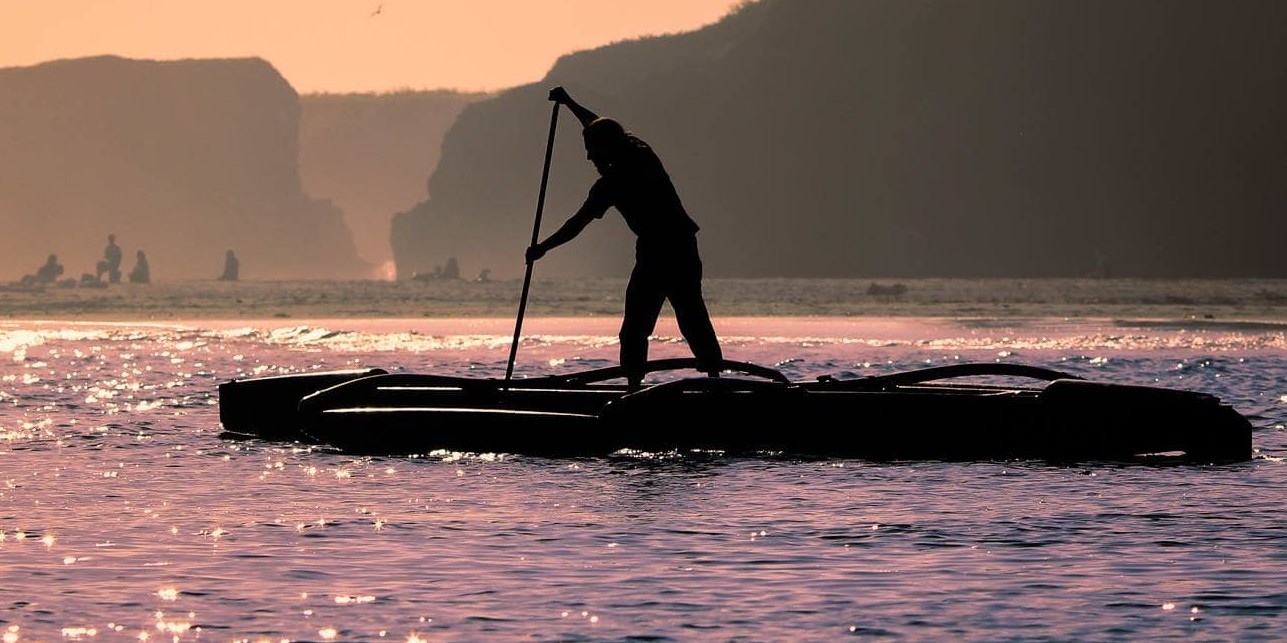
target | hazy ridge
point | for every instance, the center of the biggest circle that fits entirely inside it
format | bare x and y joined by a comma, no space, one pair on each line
914,138
370,154
186,159
181,159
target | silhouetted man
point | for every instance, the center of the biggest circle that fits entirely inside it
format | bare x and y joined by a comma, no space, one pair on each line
667,265
231,267
111,261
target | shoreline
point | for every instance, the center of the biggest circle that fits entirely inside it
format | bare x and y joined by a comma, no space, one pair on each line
562,325
1215,301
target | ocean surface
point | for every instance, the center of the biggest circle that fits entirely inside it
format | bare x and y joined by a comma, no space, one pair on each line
124,515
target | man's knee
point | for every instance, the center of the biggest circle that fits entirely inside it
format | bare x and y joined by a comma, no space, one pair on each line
632,335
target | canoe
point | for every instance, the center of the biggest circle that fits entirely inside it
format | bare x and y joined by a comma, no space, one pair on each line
973,411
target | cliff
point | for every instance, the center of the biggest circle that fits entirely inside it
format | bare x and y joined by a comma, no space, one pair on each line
183,160
906,138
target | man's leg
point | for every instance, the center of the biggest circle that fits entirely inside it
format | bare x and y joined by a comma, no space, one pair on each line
695,325
644,298
684,289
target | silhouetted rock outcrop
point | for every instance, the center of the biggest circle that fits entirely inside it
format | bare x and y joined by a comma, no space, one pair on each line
185,159
906,138
370,155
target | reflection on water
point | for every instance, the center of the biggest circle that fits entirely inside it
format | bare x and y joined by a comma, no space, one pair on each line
123,515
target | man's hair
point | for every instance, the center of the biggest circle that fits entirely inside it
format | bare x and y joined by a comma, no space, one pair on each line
604,130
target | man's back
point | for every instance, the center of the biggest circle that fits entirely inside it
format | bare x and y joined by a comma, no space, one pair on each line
640,188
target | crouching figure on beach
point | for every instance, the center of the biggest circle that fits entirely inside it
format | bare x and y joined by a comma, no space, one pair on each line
141,274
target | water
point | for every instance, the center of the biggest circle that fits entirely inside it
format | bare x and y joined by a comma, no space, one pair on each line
124,515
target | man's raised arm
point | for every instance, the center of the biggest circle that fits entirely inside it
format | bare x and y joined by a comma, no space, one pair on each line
560,95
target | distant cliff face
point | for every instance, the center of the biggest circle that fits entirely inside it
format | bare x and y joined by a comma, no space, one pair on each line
183,160
906,138
371,153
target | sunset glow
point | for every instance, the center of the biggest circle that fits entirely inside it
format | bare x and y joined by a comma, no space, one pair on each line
347,45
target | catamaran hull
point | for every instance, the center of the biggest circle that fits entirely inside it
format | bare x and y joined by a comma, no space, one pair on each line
897,417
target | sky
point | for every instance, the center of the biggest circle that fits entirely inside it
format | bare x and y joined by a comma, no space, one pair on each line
345,46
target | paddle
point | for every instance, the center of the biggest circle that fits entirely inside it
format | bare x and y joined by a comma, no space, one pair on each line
536,232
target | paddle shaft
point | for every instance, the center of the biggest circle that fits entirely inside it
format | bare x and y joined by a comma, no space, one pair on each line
536,233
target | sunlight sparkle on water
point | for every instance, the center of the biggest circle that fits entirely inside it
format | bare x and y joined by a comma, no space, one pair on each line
585,614
353,600
174,627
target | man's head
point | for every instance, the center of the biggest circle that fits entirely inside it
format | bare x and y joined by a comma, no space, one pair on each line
604,141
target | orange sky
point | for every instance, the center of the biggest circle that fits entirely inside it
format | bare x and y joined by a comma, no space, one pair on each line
348,45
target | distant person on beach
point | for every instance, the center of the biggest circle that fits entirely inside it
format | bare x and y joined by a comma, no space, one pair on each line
110,264
50,272
231,267
141,274
667,264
